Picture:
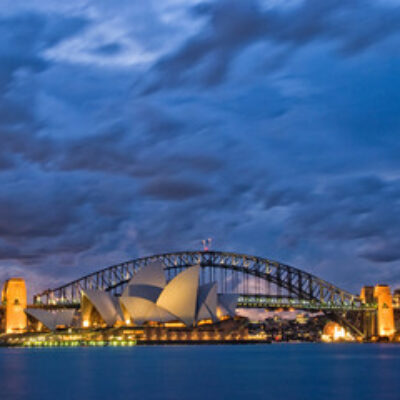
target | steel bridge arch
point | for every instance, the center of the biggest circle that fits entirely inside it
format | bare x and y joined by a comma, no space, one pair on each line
296,282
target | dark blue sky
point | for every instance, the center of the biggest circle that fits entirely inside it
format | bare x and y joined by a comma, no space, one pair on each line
137,127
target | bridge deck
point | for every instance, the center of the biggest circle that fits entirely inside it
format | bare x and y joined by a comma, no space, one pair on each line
262,302
272,302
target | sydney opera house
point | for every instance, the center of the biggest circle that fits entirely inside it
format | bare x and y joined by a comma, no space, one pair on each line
147,301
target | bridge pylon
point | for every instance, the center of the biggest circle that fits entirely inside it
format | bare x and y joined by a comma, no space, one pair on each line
380,321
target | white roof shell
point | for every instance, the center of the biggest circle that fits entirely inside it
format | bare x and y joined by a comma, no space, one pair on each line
106,305
147,298
150,275
180,295
227,304
207,302
142,310
52,318
144,291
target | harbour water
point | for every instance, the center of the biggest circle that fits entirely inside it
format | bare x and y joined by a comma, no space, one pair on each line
278,371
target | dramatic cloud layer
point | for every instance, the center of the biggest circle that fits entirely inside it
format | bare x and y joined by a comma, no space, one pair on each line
270,126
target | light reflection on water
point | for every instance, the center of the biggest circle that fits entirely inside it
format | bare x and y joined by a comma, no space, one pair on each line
284,371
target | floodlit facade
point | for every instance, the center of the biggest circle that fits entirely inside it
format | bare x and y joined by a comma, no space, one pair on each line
385,310
382,322
334,332
14,298
149,298
100,305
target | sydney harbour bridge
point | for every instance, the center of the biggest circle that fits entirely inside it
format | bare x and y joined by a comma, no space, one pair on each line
258,282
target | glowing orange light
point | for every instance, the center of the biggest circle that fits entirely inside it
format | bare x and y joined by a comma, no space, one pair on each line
338,332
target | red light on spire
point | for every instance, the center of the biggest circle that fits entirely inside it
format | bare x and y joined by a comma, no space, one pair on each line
206,244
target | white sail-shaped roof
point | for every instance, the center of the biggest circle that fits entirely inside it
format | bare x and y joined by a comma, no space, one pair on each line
227,304
142,310
150,275
207,302
105,304
145,291
52,318
180,295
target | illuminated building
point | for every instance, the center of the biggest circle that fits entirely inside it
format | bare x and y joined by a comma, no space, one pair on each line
100,308
14,298
301,319
334,332
148,298
385,315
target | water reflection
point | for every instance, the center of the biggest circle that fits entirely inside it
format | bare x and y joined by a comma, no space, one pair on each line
295,372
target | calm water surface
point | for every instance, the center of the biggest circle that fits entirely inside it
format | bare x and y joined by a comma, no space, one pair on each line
284,371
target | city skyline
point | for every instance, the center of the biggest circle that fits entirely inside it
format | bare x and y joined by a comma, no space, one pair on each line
270,127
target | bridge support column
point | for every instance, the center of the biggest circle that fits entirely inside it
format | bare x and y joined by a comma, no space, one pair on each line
14,298
380,322
385,315
369,319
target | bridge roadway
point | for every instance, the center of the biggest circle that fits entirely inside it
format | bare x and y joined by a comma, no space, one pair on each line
262,302
290,303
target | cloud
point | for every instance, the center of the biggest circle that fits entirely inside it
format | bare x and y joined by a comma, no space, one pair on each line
27,35
271,128
169,189
382,252
109,49
207,57
361,210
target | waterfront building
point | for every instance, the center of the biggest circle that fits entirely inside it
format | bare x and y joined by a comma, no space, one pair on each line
301,318
147,299
334,332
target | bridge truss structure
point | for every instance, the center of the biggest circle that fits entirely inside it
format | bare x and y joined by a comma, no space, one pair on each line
259,282
235,273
